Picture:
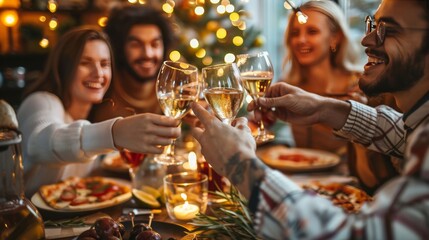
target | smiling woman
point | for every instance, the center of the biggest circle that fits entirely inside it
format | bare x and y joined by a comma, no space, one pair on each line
321,58
58,141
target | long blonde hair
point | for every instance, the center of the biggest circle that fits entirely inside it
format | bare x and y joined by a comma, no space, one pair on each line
347,55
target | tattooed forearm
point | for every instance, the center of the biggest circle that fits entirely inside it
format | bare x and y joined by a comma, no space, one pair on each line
243,173
232,163
238,175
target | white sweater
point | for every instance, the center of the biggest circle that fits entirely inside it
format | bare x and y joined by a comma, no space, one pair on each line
54,145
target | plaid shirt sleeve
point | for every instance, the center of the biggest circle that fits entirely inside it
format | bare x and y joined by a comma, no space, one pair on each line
400,209
380,129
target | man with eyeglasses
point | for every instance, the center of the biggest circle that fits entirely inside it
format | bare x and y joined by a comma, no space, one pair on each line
397,46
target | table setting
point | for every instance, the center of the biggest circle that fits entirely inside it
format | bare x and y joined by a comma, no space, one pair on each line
176,194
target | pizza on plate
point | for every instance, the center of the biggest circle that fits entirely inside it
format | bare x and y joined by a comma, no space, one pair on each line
77,193
345,196
297,158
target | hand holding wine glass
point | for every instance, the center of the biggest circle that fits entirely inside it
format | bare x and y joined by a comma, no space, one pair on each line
223,91
256,73
176,87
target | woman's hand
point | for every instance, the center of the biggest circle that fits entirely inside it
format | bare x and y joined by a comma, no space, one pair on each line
145,133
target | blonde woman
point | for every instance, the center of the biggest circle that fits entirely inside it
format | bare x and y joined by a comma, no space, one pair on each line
321,58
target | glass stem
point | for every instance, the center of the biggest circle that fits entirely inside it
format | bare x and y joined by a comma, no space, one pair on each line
169,149
261,129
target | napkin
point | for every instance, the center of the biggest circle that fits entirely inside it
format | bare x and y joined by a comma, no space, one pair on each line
64,232
54,233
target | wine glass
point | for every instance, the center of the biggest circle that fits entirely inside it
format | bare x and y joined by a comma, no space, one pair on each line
256,73
223,91
177,87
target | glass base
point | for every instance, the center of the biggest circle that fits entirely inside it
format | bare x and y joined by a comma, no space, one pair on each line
263,138
169,159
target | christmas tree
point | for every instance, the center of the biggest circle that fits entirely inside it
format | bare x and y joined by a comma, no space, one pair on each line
211,32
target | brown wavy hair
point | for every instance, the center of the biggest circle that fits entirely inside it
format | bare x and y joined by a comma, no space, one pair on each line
63,60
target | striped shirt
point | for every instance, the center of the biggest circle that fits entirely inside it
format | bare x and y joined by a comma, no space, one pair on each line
400,209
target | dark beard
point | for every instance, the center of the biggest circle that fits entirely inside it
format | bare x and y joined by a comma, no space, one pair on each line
401,75
139,79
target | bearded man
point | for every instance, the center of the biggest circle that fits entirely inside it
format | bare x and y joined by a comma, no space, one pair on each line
141,38
396,43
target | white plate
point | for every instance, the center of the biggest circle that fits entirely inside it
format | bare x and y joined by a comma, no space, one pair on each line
301,179
113,162
37,200
280,157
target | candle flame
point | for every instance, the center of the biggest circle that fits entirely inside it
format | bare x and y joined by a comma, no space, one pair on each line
192,159
184,196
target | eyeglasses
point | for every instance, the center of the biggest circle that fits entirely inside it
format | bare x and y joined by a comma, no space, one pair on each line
380,29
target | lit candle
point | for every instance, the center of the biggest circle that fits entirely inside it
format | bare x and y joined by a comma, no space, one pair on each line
191,164
185,211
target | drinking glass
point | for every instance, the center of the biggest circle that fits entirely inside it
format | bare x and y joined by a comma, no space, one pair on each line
177,87
223,91
186,195
256,73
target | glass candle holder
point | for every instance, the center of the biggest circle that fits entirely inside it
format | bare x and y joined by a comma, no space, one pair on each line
186,195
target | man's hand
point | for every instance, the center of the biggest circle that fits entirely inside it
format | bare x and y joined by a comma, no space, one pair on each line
297,106
220,141
230,150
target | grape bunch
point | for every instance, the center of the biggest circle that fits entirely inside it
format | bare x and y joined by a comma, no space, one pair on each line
108,229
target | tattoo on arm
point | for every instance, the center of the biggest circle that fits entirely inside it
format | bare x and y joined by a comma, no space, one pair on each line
244,172
239,172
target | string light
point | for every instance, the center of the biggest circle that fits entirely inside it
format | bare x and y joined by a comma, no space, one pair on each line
53,24
52,6
207,60
102,21
9,18
221,33
302,18
221,9
234,17
237,41
229,8
199,10
229,58
200,53
167,7
44,43
287,6
175,55
242,26
194,43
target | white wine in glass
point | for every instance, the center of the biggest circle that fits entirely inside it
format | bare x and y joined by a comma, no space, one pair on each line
256,73
223,91
177,87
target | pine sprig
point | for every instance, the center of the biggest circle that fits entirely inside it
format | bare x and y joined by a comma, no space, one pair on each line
74,222
228,218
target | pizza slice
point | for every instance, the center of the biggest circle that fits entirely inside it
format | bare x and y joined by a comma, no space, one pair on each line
84,193
345,196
